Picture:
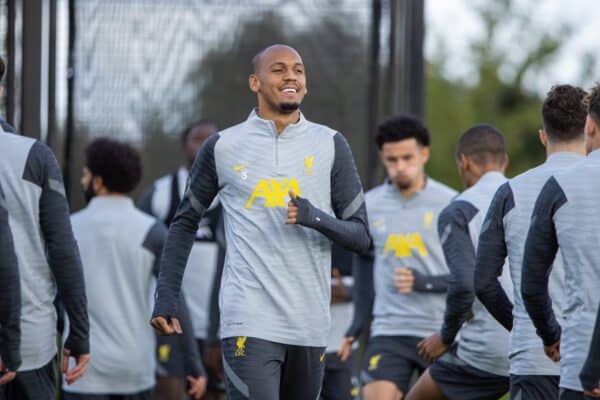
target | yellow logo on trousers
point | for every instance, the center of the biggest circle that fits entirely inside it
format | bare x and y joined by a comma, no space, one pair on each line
240,344
164,350
402,245
374,362
274,192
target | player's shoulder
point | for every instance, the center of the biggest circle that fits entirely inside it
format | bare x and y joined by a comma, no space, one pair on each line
322,130
575,176
461,208
79,217
376,193
16,145
164,182
144,220
538,174
236,129
440,191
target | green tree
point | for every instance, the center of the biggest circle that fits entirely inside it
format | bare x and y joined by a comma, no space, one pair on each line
503,101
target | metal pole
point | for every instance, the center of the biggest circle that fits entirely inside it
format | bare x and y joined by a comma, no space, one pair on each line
34,79
373,96
406,75
10,86
70,134
52,125
392,84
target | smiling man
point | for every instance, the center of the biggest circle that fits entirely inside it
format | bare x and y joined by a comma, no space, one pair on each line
288,187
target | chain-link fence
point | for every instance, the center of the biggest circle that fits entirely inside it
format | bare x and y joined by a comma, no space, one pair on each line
144,69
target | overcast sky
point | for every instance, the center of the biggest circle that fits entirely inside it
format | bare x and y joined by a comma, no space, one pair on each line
456,24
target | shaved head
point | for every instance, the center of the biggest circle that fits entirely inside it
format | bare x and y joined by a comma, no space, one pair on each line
268,53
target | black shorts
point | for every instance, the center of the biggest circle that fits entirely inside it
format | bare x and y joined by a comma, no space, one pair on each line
170,360
337,382
534,387
145,395
568,394
36,384
394,359
214,383
259,369
459,381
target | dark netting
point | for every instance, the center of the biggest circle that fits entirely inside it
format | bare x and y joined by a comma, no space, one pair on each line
145,68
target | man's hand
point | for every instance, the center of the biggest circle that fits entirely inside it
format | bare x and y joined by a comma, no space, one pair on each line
345,348
6,375
404,280
592,393
166,327
81,363
292,211
213,360
432,348
339,291
197,386
553,351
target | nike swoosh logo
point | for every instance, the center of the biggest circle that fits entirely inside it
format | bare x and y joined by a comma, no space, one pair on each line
238,168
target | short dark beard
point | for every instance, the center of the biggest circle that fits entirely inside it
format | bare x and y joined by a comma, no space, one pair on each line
288,108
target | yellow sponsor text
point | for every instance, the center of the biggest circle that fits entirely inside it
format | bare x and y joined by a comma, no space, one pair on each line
274,192
374,362
402,245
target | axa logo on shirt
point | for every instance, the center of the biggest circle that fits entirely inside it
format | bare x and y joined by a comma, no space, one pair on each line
273,192
403,244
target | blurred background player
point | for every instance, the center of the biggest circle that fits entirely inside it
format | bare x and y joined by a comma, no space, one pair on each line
478,369
533,376
49,265
202,275
410,274
120,262
338,381
566,216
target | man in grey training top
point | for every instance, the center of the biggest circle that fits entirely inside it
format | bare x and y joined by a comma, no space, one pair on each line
477,367
275,290
533,376
566,216
120,262
406,265
49,264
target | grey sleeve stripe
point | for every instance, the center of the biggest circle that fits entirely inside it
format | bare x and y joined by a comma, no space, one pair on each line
445,234
354,205
57,186
234,379
196,205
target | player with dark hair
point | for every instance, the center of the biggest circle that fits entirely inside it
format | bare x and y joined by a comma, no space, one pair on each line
202,276
275,291
121,248
532,374
477,367
406,269
566,217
